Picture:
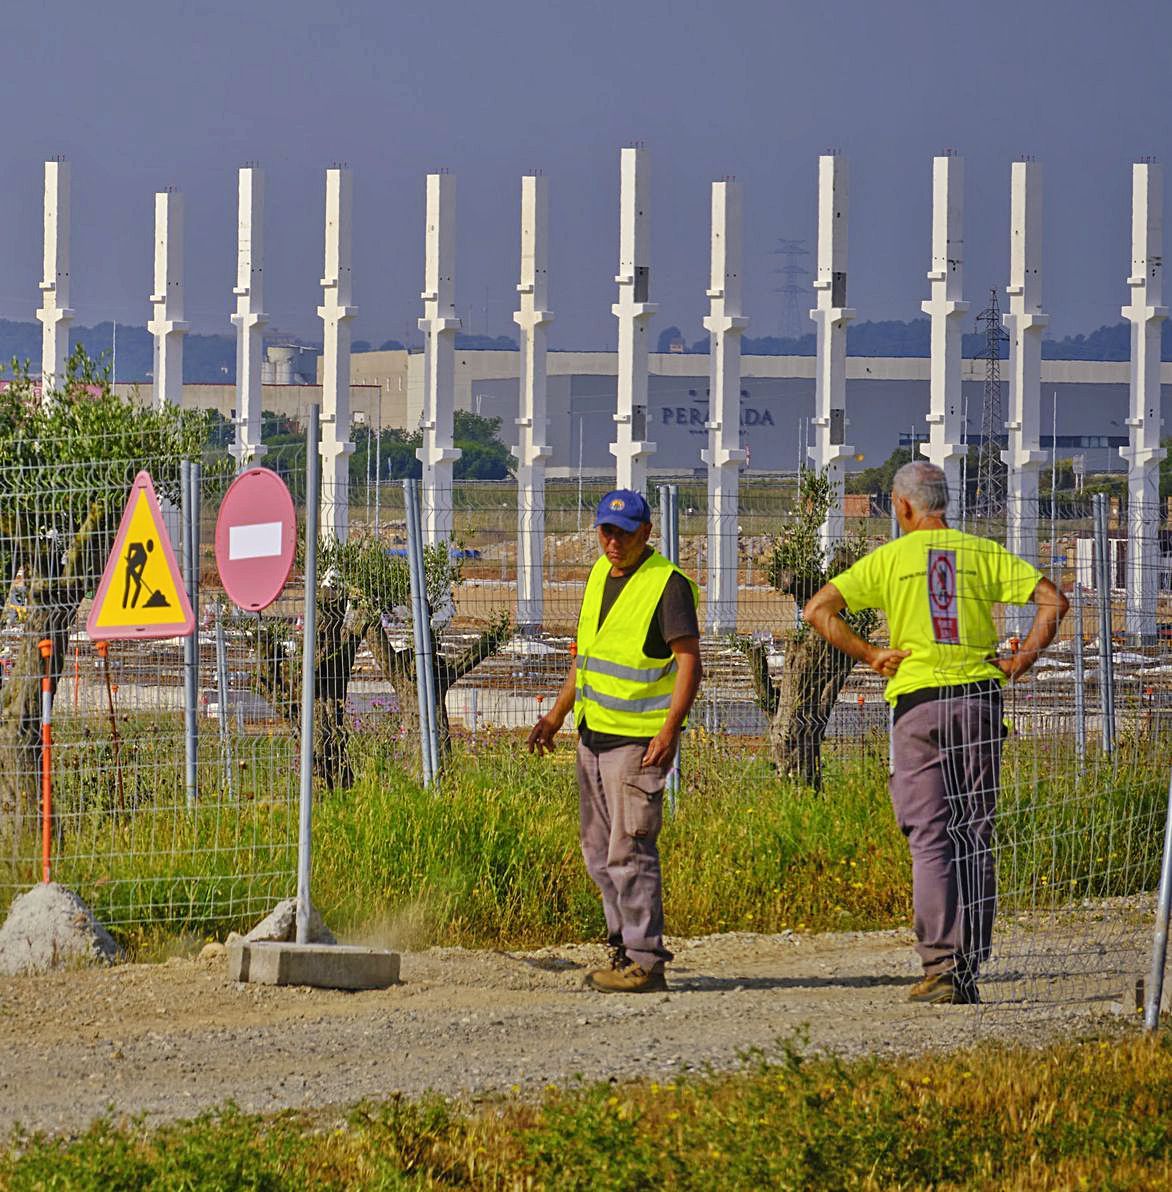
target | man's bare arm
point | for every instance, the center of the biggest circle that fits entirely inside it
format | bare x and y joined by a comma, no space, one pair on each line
541,736
1050,608
822,614
661,749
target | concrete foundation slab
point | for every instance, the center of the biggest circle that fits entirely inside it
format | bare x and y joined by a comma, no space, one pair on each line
324,966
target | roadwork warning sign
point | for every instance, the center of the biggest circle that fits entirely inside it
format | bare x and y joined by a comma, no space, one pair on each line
141,594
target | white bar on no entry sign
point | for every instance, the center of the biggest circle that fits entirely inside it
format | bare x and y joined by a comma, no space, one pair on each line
261,540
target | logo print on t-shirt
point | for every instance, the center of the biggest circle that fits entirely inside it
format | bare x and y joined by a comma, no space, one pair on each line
942,601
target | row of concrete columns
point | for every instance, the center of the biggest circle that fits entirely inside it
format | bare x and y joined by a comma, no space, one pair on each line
1025,322
632,447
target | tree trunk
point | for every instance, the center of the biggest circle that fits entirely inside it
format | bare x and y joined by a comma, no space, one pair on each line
20,730
340,630
55,586
812,678
339,633
398,668
757,655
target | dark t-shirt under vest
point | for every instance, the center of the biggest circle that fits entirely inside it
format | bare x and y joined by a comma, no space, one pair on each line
675,617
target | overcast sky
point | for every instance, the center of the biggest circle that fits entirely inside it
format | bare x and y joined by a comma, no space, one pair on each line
141,95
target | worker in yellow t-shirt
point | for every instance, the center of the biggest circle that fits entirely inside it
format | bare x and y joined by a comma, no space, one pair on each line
937,588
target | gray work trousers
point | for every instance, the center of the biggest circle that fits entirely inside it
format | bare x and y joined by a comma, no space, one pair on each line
944,790
621,812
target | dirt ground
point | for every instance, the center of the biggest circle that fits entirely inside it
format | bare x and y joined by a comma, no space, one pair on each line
171,1040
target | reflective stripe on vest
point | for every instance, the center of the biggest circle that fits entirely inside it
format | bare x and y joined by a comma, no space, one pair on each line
651,703
620,689
647,674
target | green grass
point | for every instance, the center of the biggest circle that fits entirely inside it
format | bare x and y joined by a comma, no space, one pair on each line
494,858
1078,1115
491,858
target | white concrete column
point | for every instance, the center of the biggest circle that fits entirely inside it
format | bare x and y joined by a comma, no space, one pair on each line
167,324
335,312
532,424
724,323
831,317
55,313
633,311
946,432
1025,323
439,326
250,318
1143,453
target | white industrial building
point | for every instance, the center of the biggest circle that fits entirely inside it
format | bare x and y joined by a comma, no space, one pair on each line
887,401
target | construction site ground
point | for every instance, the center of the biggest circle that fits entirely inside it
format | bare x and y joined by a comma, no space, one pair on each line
170,1040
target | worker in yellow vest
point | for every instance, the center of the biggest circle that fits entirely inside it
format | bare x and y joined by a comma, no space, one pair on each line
631,686
937,587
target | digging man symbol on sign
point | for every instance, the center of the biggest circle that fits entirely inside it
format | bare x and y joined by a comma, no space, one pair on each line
137,555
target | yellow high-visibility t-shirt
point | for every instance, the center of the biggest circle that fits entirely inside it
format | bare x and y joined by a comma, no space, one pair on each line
937,589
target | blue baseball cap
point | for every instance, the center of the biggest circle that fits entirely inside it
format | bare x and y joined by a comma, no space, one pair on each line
623,508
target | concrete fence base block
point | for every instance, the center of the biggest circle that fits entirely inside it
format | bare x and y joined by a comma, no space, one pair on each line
324,966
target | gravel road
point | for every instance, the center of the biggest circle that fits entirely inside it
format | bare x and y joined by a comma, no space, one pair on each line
173,1039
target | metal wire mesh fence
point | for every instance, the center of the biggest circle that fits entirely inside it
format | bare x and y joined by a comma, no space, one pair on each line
1082,798
1082,772
152,843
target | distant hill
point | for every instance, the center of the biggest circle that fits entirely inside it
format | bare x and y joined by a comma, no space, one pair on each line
209,358
212,358
913,338
206,358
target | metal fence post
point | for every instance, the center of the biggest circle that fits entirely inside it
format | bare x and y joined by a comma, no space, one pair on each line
1160,937
196,505
191,642
1080,708
411,515
308,673
670,537
222,695
1106,653
421,619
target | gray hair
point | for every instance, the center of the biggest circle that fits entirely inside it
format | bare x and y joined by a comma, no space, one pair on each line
923,485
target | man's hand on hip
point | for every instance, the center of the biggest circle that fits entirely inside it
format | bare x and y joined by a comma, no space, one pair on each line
886,661
541,736
661,749
1016,665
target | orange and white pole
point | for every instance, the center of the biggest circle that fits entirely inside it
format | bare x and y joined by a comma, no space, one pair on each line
45,646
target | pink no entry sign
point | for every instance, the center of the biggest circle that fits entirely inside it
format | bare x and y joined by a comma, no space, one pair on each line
256,538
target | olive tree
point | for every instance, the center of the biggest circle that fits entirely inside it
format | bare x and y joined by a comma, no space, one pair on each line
67,461
813,672
365,597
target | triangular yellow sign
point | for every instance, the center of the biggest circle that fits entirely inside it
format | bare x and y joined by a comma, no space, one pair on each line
141,594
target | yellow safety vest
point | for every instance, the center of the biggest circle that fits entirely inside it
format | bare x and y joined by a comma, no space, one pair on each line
619,689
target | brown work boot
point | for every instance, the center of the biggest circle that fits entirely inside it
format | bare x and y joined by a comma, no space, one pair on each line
948,988
631,979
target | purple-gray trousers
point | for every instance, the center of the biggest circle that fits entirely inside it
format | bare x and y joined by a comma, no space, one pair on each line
621,812
944,790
